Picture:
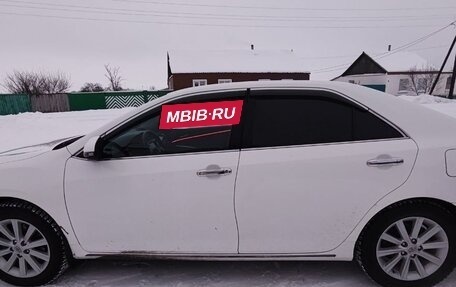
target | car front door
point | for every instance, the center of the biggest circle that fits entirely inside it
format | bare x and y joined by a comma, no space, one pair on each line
158,190
312,165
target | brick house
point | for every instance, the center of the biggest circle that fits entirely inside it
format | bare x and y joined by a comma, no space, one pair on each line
197,68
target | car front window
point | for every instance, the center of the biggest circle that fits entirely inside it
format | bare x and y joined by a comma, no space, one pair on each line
146,139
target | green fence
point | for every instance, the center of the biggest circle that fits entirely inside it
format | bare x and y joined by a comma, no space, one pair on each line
111,100
14,104
380,88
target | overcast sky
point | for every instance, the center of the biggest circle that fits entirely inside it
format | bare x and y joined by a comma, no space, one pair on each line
79,37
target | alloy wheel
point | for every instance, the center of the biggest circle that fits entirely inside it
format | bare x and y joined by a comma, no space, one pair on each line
412,248
24,251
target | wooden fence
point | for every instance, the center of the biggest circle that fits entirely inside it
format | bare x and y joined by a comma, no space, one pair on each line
50,103
13,104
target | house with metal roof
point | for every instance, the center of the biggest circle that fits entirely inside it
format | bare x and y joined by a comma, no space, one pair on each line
199,68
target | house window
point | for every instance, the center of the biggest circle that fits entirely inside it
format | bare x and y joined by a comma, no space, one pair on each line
224,81
448,83
404,84
199,82
422,85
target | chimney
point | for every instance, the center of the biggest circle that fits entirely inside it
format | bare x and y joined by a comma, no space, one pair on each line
389,48
252,47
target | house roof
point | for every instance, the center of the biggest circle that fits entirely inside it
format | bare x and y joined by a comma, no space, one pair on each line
402,62
364,64
236,61
393,62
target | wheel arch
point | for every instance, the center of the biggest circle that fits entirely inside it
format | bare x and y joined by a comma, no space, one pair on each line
366,245
7,199
451,208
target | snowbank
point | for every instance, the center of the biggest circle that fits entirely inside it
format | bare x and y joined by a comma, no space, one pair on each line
428,99
443,105
34,128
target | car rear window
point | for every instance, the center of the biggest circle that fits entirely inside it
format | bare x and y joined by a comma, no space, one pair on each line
283,120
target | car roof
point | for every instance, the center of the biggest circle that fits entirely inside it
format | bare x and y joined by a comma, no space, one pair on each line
260,85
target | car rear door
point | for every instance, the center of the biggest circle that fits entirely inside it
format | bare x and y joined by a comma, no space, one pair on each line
158,190
312,165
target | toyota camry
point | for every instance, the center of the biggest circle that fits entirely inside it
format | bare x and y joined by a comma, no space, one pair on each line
279,170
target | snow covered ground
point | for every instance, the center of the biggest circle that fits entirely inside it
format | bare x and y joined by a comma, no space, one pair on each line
229,274
199,273
33,128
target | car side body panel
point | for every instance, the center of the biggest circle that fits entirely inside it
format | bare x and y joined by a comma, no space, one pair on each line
428,180
39,180
153,204
427,128
308,198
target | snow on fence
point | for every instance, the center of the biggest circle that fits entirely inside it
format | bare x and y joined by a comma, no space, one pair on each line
19,103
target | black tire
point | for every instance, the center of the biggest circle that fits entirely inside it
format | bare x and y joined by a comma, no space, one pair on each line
58,261
365,251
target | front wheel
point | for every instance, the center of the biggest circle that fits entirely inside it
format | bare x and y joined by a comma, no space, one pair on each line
411,244
32,247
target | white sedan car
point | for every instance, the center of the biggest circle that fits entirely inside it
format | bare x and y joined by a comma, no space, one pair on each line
245,171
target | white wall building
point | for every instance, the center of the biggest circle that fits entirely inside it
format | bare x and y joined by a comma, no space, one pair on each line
396,73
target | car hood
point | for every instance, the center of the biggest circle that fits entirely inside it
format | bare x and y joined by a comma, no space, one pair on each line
30,151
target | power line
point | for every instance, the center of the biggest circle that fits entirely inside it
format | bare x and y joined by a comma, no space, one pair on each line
237,16
386,54
356,55
206,18
211,24
283,8
428,48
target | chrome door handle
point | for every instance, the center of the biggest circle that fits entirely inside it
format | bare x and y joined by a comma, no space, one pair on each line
212,172
385,161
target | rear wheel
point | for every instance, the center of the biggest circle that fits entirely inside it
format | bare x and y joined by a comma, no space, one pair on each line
411,244
32,247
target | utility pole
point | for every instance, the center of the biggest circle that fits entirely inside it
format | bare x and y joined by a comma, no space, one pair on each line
442,67
453,79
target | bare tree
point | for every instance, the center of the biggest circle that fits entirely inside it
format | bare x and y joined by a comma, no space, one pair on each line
33,83
91,87
55,83
421,80
22,82
114,78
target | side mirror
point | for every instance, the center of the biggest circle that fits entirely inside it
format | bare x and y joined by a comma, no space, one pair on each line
90,148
